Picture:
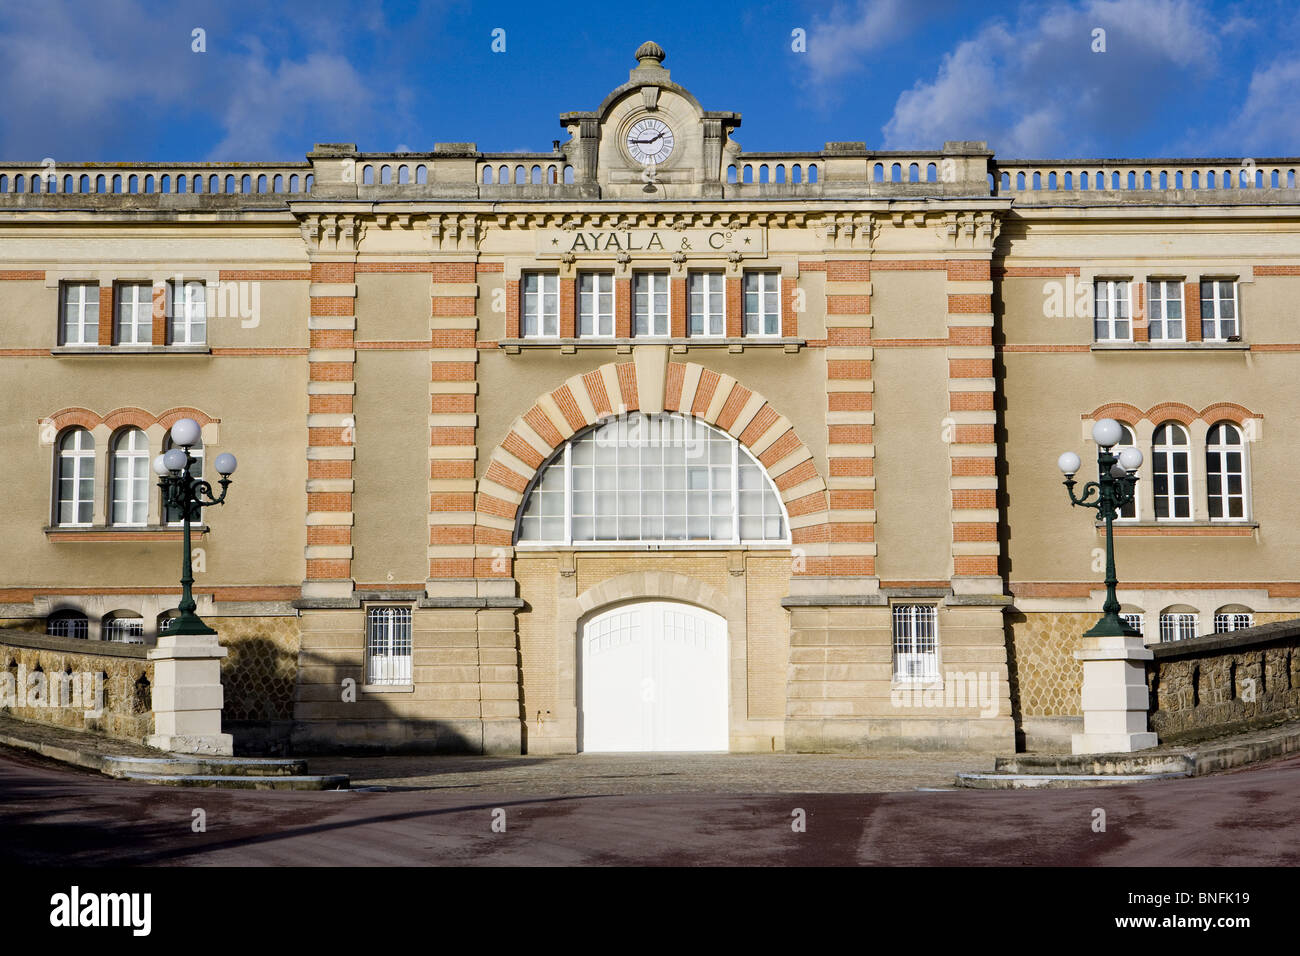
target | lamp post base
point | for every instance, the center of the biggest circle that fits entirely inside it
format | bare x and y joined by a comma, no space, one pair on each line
1114,696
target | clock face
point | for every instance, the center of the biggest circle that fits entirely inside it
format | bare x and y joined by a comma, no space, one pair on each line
650,141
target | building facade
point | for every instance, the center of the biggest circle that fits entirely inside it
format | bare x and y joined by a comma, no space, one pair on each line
649,442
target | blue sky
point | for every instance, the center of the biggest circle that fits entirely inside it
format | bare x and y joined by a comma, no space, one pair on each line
118,79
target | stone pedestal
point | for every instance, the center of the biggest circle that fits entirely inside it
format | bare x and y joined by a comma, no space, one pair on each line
1114,696
187,695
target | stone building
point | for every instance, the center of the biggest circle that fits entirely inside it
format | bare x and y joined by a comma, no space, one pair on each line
649,442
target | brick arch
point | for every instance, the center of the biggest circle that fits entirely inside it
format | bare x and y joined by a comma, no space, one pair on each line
1227,411
1120,411
128,416
68,417
1172,411
589,398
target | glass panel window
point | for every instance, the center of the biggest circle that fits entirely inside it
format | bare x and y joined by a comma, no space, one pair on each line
134,313
650,303
1225,622
171,513
708,311
80,325
76,483
1133,620
1165,307
916,643
124,630
596,304
187,313
541,318
1112,318
1177,626
1218,309
67,624
657,479
388,645
762,300
1170,459
1225,473
130,505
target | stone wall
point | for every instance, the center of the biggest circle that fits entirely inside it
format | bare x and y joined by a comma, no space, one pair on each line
72,671
1225,683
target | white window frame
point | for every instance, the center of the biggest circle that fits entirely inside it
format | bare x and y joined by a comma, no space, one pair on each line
123,630
187,316
133,318
1169,450
1108,291
80,306
1135,620
1226,622
390,649
915,642
593,322
130,491
646,288
83,450
536,321
768,287
72,625
1158,310
1217,320
712,314
1222,450
1178,626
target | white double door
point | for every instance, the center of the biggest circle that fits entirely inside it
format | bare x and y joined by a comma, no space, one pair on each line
654,677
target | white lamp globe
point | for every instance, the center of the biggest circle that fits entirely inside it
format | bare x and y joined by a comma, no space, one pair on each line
185,432
1106,432
160,466
1117,471
174,460
225,463
1130,459
1068,463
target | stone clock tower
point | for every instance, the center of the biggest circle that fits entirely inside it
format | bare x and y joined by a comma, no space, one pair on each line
650,138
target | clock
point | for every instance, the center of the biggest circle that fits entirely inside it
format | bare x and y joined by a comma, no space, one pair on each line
650,141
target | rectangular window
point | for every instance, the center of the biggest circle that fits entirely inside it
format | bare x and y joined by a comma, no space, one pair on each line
187,313
541,305
1112,311
650,303
388,645
596,304
1177,626
124,630
1218,309
1165,308
134,306
916,645
708,309
1224,623
80,311
762,303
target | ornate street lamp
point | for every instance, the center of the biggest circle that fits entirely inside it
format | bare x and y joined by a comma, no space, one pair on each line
189,495
1113,489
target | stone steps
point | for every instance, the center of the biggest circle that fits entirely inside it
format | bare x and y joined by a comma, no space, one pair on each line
1057,781
333,781
186,764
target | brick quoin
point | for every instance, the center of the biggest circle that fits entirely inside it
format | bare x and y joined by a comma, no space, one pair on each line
333,271
970,368
332,338
852,499
974,531
970,401
454,404
968,467
843,270
451,468
454,305
848,401
974,434
974,498
852,467
975,564
329,371
329,535
332,437
969,303
329,404
848,304
486,267
452,339
969,270
318,570
328,468
789,318
452,534
970,335
845,336
329,501
849,434
839,369
455,501
460,271
443,435
452,372
332,305
512,309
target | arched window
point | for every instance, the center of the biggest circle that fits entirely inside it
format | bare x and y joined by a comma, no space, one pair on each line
1133,617
1233,617
652,479
1225,473
1130,511
130,478
125,627
76,484
1170,460
172,514
67,624
1178,623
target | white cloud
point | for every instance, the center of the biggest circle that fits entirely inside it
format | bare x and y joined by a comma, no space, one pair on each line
1267,124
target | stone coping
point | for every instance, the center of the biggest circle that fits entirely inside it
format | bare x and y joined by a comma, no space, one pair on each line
72,645
1232,641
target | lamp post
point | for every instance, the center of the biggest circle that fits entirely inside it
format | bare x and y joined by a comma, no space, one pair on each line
190,495
1113,489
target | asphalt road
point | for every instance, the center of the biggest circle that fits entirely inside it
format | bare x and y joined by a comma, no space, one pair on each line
54,815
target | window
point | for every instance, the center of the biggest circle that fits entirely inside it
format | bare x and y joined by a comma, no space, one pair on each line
541,305
1112,311
67,624
707,304
916,647
76,481
80,314
1133,620
1226,621
1170,458
1225,474
1128,512
388,645
130,478
650,303
134,302
596,304
762,303
187,313
652,479
171,513
1165,308
124,627
1177,626
1218,309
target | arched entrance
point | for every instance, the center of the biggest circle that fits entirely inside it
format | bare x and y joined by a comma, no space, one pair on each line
653,677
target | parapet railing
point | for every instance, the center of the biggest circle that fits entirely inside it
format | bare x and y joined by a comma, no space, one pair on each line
1092,176
156,178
